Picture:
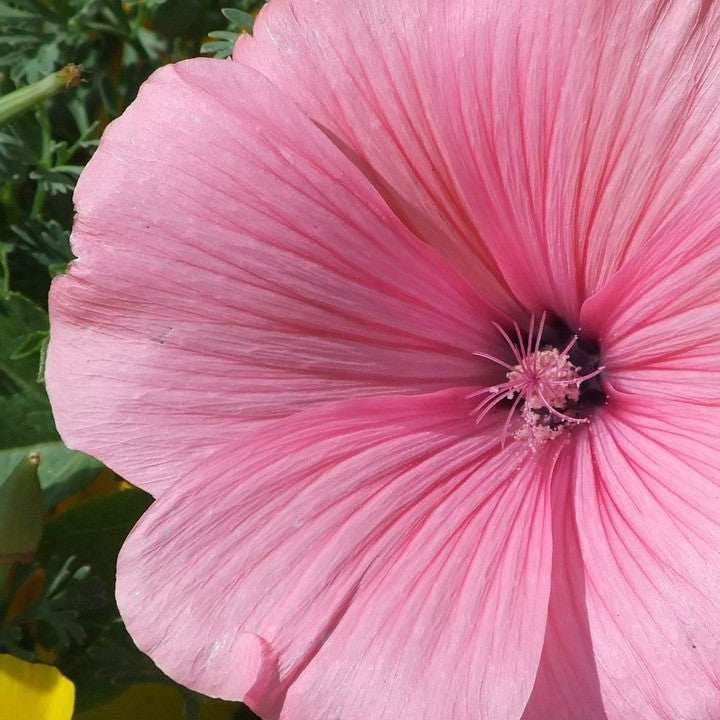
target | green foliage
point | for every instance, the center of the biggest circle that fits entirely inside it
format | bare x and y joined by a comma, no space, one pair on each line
27,419
110,664
62,472
53,618
94,530
24,405
71,612
240,19
21,510
97,652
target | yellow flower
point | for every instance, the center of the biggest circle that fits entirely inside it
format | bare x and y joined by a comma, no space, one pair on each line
157,701
31,691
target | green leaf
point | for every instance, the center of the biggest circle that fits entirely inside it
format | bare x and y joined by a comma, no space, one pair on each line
62,472
57,179
94,530
24,405
151,42
8,12
250,5
27,423
33,342
70,590
21,511
239,18
109,666
226,35
218,49
222,45
20,148
46,241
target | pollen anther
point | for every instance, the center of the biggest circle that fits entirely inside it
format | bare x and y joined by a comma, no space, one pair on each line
543,383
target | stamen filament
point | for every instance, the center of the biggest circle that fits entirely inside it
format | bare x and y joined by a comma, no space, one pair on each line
543,379
493,359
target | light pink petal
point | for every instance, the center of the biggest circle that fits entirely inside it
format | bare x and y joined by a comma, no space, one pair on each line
538,144
235,267
658,319
648,482
567,685
368,73
381,558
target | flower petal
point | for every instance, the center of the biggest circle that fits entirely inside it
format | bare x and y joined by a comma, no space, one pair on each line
649,526
235,267
34,690
657,319
363,71
538,144
566,686
380,558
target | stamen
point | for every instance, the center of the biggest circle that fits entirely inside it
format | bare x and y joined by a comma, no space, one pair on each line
543,379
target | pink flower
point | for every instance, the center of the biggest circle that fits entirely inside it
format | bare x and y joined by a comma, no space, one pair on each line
287,321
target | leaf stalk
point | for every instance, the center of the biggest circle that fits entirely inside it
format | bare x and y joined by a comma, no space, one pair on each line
21,100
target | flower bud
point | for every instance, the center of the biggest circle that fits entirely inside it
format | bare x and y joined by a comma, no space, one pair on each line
21,511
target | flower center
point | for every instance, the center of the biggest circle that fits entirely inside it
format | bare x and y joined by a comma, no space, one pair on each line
554,383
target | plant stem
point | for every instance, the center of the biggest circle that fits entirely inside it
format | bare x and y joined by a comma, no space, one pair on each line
45,163
19,101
